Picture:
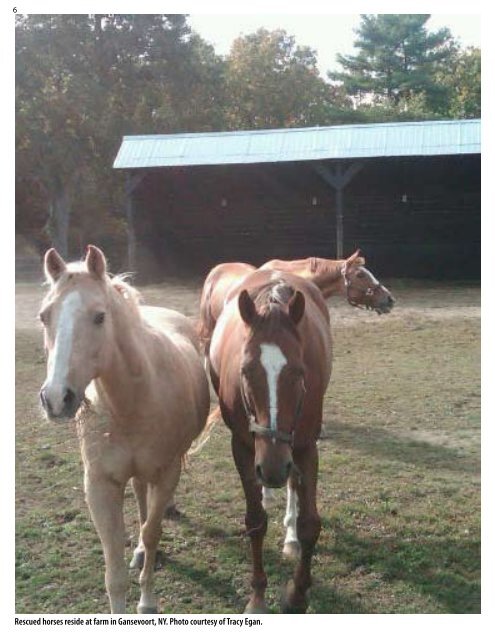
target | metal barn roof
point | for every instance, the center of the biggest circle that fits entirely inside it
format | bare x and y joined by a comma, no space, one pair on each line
449,137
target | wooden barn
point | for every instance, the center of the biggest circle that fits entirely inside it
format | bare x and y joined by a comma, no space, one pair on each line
407,194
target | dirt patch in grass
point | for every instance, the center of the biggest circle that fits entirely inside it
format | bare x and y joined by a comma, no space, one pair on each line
398,486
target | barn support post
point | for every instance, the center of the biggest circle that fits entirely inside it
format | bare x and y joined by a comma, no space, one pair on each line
339,222
338,177
131,182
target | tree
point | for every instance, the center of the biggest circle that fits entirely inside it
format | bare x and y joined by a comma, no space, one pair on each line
84,81
463,82
271,82
52,135
397,60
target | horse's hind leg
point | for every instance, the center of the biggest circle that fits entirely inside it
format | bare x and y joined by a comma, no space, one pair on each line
256,524
308,530
105,501
159,494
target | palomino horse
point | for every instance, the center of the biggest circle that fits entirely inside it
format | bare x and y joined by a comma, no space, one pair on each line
270,363
147,400
344,277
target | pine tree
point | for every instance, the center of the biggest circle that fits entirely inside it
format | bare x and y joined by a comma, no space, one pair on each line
397,60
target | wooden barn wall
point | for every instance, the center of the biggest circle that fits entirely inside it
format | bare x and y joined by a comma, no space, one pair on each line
411,217
417,218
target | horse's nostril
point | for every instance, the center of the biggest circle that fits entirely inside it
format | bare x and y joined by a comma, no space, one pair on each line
289,467
258,472
69,397
45,403
44,400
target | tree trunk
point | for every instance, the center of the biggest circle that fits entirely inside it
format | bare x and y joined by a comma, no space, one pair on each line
59,221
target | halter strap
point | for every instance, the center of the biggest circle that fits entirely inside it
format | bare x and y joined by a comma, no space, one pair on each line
368,291
272,434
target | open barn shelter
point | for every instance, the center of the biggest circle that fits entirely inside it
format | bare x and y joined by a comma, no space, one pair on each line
406,194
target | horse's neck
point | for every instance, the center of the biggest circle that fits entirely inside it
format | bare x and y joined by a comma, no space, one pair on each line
126,374
329,277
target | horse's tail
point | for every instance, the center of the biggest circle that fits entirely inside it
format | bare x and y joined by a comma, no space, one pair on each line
204,436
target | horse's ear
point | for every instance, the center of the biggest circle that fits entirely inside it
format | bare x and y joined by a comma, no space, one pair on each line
95,261
54,265
355,260
297,305
247,308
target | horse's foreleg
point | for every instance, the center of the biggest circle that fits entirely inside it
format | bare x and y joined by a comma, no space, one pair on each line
256,523
159,494
292,547
308,530
105,501
140,489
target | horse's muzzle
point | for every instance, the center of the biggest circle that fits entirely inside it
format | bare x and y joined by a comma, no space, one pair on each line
386,306
273,477
64,409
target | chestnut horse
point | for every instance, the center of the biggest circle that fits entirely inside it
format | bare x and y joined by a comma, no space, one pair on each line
270,363
132,379
333,277
346,277
216,287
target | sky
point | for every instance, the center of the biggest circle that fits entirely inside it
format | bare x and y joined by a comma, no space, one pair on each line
329,34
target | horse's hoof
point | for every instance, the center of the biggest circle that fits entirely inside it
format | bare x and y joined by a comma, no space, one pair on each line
292,550
142,609
293,602
256,608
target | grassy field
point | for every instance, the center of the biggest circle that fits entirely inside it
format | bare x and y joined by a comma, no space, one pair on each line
399,486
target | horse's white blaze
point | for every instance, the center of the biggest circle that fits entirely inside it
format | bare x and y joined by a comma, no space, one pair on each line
273,361
58,368
372,277
290,520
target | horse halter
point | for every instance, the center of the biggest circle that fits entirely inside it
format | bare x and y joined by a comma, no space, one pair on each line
368,292
266,432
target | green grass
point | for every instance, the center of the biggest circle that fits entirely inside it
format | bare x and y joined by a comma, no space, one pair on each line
399,490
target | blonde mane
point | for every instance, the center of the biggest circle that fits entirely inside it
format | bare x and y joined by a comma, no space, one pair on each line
115,284
122,291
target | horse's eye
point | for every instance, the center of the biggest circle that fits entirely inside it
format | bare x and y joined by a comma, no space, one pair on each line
360,275
100,317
